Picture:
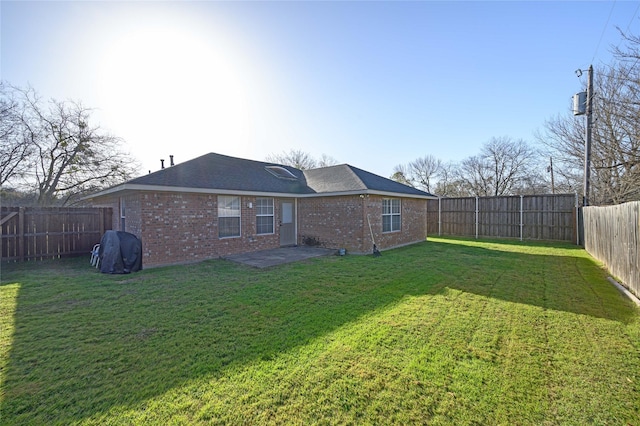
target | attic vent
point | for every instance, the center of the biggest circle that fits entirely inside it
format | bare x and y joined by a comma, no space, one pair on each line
280,172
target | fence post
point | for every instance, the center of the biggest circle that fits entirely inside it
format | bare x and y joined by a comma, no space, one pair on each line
439,216
101,218
577,221
521,216
477,218
21,236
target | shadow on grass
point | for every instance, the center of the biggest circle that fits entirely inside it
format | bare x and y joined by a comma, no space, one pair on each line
84,343
550,275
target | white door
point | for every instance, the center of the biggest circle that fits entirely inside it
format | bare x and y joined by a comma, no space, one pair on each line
287,223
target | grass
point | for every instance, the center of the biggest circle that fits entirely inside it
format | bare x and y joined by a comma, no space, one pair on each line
449,331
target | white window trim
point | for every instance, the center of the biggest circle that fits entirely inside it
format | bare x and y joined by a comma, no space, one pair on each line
273,216
239,216
391,215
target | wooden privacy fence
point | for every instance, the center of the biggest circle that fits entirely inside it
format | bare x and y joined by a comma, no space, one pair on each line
612,235
33,233
537,217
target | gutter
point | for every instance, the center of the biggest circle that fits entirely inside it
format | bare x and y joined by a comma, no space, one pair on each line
158,188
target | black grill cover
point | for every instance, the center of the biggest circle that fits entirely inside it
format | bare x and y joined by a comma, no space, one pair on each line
120,253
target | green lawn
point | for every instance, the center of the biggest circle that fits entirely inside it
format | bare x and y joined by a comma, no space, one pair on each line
449,331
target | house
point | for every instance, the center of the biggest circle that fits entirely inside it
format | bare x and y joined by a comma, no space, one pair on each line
216,205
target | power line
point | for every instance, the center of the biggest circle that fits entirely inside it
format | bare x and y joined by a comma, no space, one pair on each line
626,30
632,18
603,31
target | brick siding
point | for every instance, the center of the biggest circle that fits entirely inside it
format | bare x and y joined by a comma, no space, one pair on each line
183,227
343,222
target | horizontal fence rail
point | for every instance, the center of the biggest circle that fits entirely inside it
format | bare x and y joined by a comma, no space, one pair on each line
35,233
536,217
612,235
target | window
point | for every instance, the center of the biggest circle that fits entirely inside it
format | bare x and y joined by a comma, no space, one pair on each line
264,216
228,216
391,215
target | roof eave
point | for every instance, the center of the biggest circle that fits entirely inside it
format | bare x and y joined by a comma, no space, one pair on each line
368,192
128,187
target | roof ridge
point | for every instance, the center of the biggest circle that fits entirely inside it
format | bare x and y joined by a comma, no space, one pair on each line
350,167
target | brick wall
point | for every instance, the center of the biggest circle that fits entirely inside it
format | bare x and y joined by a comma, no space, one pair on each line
336,222
180,228
343,222
413,226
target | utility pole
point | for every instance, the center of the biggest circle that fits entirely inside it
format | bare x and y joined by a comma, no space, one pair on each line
587,140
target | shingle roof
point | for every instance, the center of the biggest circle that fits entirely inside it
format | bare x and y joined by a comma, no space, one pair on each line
344,177
220,172
216,171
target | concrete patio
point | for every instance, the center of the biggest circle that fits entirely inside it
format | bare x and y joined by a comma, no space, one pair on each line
279,256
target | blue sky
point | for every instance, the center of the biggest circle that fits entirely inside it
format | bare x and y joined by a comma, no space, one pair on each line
372,84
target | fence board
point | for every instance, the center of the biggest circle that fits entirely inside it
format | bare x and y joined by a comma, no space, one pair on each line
536,217
612,235
32,233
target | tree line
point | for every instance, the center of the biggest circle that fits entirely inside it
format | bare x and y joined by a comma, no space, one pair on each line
504,166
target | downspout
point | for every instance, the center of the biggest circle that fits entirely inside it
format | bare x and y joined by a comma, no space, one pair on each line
365,211
295,228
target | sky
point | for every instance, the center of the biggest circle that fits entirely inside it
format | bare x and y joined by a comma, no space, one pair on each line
371,84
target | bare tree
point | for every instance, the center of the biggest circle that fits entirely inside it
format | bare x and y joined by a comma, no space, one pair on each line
400,174
420,173
500,169
423,170
326,161
616,138
615,142
294,158
301,160
448,182
474,177
15,159
69,156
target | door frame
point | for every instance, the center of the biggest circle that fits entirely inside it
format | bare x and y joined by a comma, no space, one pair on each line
293,238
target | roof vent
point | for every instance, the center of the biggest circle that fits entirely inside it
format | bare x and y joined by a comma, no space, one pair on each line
280,172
